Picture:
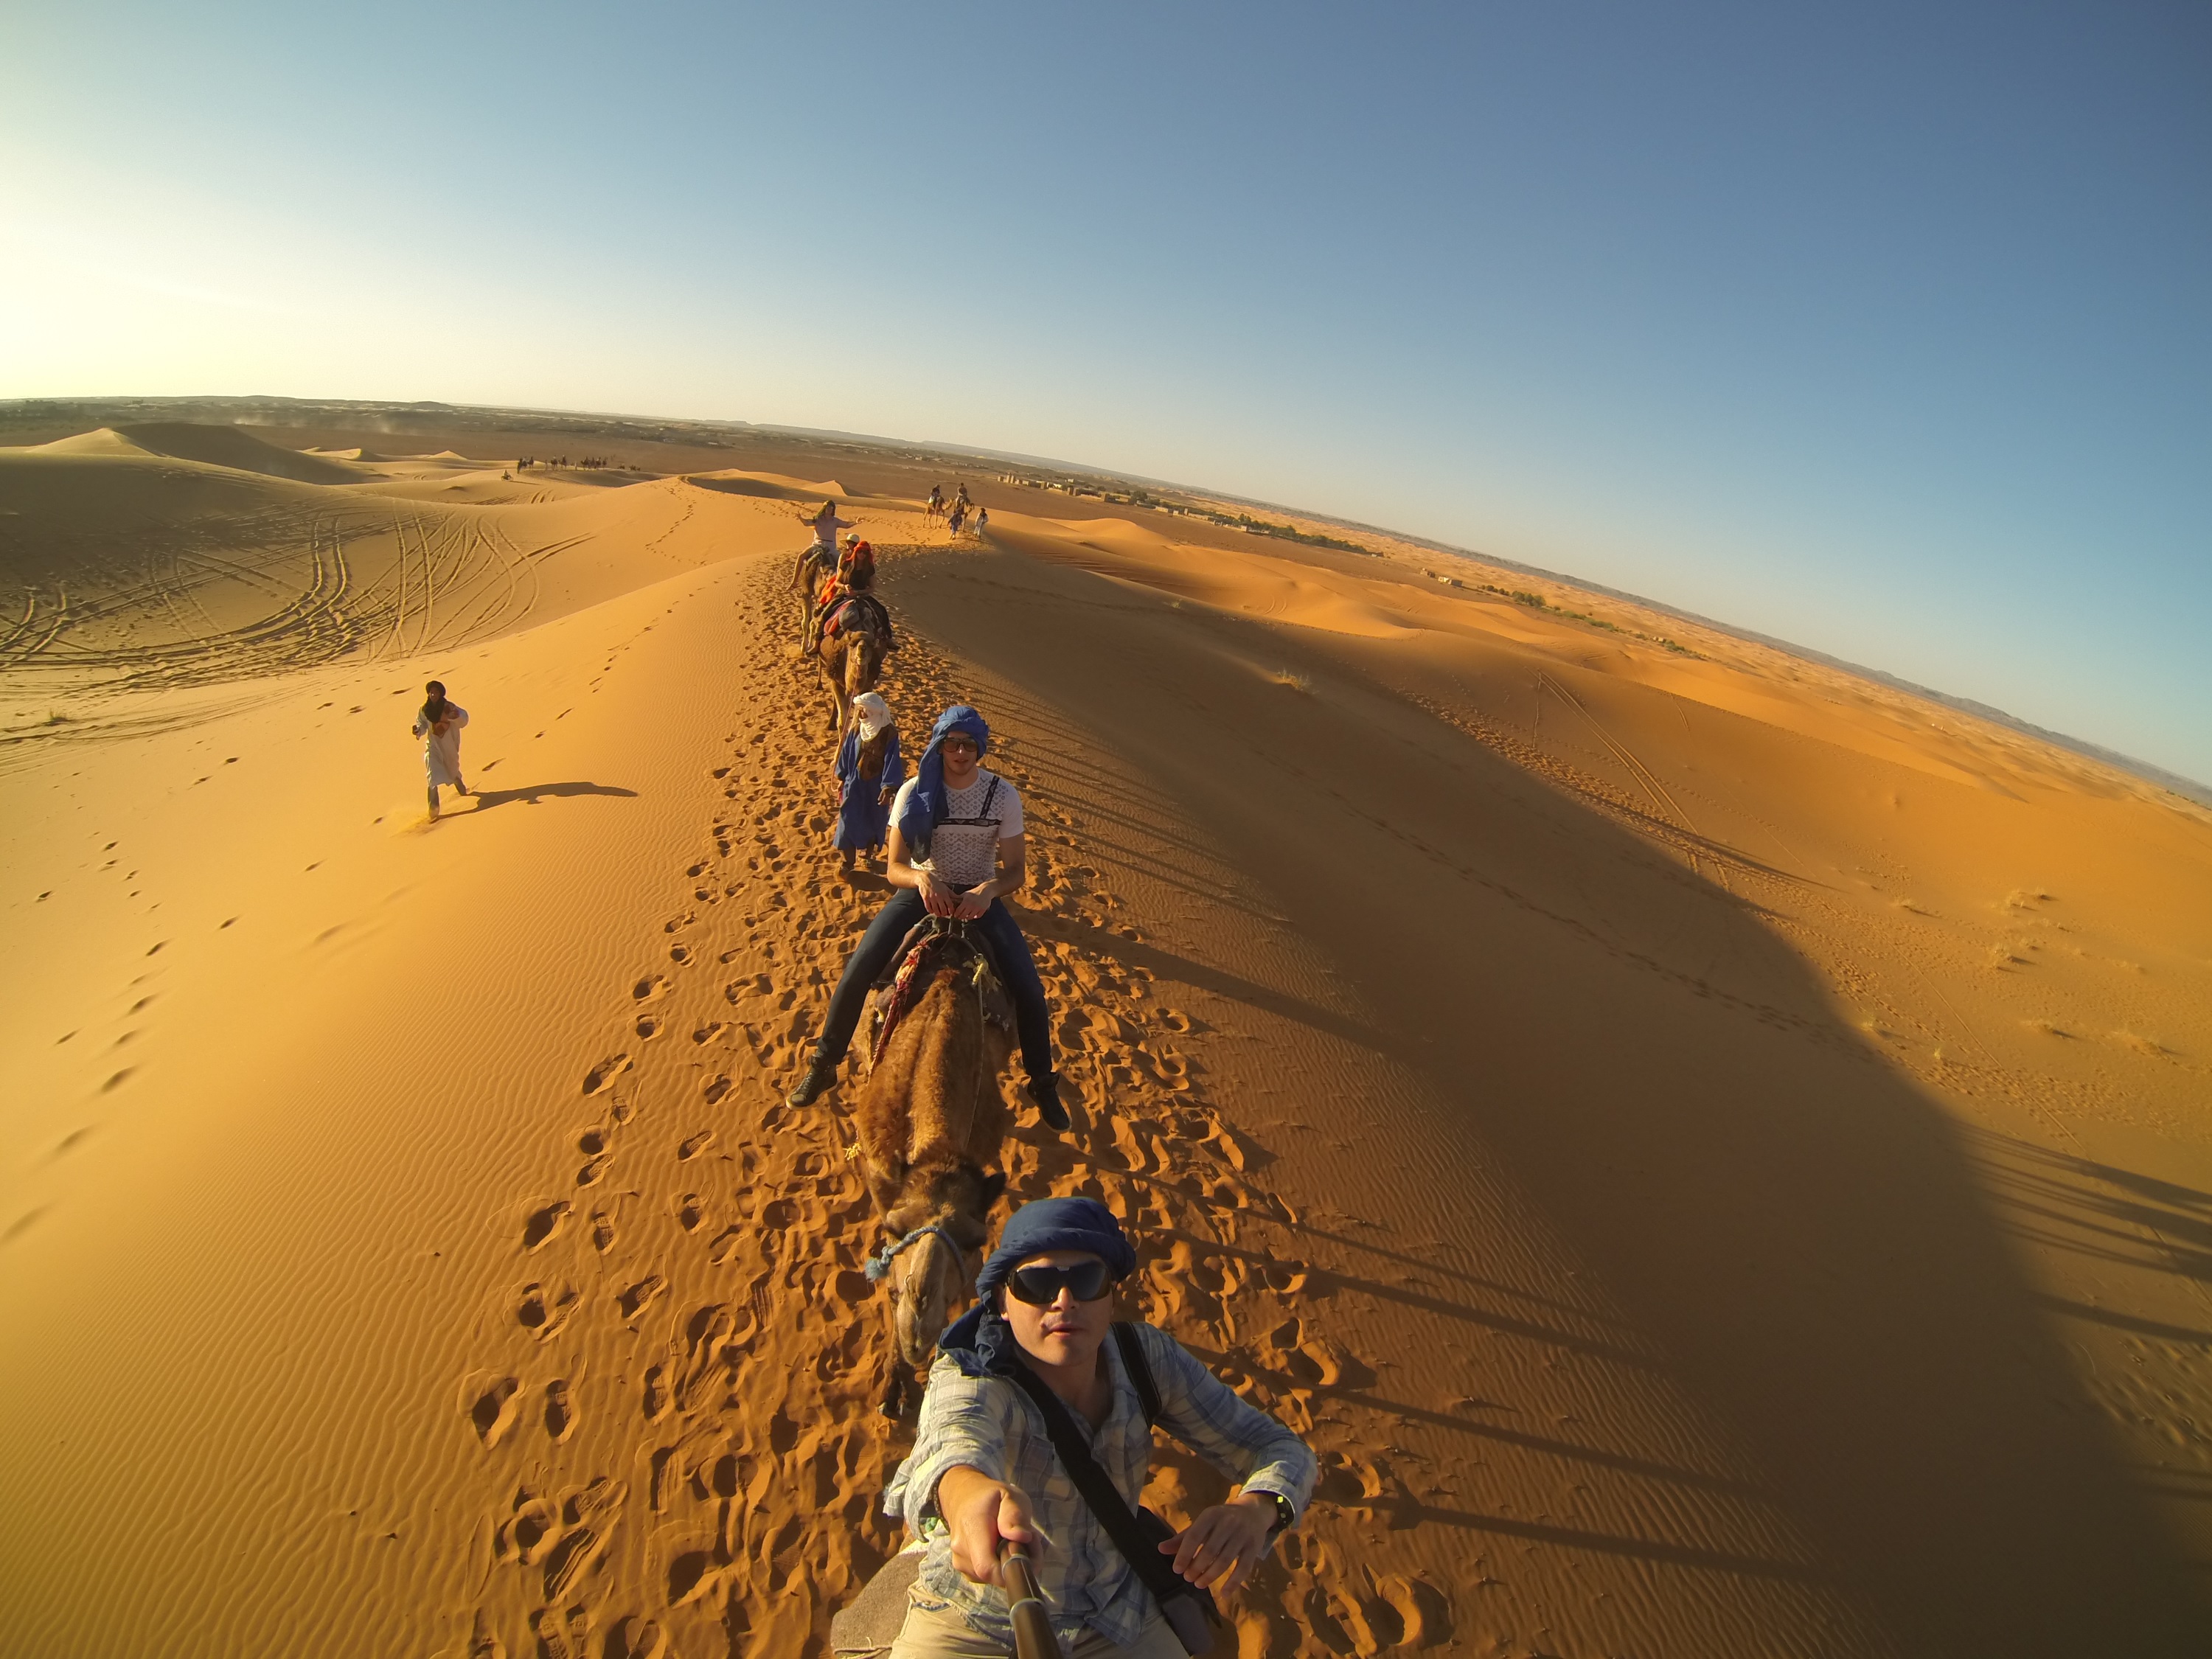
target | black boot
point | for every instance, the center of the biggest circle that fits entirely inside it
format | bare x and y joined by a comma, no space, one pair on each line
819,1075
1045,1091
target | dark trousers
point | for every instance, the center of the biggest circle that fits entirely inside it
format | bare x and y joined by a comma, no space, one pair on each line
1010,952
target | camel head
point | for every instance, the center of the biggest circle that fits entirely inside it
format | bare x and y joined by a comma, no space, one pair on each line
934,1279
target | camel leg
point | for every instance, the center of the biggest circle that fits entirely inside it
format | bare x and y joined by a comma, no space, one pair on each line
894,1404
831,676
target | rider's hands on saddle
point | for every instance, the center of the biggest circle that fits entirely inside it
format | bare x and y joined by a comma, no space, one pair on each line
939,898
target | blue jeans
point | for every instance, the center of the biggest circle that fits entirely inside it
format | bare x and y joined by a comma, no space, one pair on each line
1010,952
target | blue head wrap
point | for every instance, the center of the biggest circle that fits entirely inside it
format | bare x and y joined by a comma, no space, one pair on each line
982,1342
917,821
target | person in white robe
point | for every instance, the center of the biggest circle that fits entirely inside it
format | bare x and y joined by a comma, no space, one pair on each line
439,724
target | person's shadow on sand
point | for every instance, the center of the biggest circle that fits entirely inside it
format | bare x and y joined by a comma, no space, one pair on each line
534,792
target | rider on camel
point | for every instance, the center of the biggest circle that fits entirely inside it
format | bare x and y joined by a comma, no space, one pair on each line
854,579
825,524
955,849
1037,1363
821,554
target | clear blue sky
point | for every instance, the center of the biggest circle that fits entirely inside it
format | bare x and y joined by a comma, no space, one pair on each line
1883,328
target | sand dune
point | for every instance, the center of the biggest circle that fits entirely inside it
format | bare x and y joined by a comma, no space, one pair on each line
138,573
1713,1152
736,482
229,446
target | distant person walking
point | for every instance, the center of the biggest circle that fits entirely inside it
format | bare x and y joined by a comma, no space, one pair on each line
982,519
439,724
870,771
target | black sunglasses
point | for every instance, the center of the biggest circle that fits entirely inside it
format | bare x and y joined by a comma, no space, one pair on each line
1041,1286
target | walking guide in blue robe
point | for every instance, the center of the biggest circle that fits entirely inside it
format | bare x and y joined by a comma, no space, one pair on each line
864,807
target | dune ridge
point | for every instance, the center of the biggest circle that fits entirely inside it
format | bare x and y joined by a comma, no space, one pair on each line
1707,1147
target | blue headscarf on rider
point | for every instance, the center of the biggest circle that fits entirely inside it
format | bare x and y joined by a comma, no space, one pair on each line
926,806
980,1341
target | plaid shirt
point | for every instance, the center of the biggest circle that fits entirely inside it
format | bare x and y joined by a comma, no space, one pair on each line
988,1424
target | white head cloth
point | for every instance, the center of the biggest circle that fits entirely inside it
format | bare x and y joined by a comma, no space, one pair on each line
874,713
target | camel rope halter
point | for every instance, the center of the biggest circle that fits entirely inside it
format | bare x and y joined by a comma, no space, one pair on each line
880,1263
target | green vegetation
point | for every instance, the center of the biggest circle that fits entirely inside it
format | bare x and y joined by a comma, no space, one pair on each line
1134,495
1538,602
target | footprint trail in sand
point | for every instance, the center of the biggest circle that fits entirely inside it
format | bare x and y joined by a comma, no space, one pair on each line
711,1458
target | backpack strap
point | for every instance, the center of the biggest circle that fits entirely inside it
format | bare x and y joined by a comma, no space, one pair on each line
1139,1546
1140,1370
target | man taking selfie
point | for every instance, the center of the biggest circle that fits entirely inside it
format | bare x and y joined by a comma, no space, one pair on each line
1037,1431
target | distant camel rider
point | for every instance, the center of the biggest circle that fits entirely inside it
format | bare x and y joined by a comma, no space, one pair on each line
854,578
955,849
821,554
856,565
825,524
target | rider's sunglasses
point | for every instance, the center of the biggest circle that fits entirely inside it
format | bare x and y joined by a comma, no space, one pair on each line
1041,1286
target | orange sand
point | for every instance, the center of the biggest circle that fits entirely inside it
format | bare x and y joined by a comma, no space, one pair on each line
1715,1153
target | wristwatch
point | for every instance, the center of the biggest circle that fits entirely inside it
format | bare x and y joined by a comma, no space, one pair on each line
1286,1517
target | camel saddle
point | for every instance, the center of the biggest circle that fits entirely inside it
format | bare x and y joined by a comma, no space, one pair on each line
870,1623
835,622
934,942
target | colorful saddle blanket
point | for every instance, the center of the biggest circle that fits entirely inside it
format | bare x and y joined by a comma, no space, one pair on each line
934,943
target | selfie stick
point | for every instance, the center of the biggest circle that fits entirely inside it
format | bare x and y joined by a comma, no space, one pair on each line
1033,1637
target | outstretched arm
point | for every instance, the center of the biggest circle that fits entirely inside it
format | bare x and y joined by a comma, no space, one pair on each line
983,1515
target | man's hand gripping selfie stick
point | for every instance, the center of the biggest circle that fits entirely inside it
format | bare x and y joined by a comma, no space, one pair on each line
1033,1637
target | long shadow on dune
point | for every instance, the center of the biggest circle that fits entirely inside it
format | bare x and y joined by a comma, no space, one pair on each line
760,487
533,793
1811,1245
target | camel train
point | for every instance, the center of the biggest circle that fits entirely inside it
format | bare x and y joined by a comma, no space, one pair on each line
935,1035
